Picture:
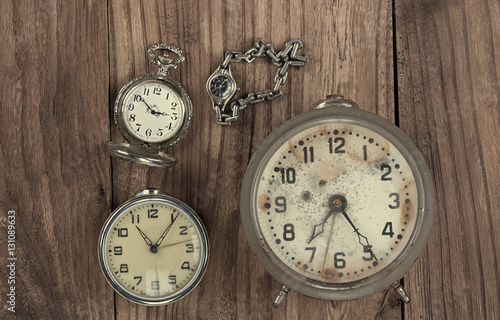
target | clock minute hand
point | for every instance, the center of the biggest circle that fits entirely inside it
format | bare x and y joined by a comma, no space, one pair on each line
361,238
164,234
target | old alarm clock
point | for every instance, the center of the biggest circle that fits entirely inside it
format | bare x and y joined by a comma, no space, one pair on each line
337,203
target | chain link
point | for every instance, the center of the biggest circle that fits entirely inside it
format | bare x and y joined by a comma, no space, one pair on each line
283,60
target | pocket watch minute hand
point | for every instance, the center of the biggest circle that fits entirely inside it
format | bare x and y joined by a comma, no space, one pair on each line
164,234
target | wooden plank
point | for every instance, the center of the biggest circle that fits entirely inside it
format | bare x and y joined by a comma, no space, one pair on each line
449,104
352,49
54,172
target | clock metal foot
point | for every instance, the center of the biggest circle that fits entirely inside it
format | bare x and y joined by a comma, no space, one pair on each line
400,291
281,296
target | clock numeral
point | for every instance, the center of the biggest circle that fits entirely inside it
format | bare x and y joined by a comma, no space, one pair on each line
124,268
387,231
137,98
160,132
365,153
130,107
183,230
169,127
140,279
387,168
313,249
338,261
338,149
153,213
146,91
185,265
131,118
281,203
118,250
148,132
368,249
174,104
289,176
172,279
135,217
122,232
190,248
155,285
173,116
308,154
168,94
157,91
288,232
396,201
138,127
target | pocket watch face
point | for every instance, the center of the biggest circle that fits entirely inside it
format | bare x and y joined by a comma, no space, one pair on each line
336,202
152,111
153,252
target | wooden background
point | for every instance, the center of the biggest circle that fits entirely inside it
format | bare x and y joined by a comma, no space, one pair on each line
429,66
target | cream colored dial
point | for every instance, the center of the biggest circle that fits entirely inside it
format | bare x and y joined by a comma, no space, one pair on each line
336,202
153,251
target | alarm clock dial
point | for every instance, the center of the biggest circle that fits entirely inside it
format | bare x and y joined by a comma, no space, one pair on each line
337,202
153,111
153,252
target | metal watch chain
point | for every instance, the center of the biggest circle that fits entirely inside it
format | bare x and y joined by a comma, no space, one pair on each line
283,60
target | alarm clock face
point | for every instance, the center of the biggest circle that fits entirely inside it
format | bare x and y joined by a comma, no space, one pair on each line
152,111
337,203
153,251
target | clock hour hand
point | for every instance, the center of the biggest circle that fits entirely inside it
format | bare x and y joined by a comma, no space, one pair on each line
319,228
148,241
336,203
361,238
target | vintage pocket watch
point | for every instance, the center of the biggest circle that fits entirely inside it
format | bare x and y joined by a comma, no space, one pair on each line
337,203
152,112
153,249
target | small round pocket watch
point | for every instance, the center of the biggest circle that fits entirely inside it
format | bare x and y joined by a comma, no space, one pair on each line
337,203
153,249
152,112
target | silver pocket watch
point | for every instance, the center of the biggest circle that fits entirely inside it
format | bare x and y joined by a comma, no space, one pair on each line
152,112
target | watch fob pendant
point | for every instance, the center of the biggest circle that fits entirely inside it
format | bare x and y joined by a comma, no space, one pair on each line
337,203
153,249
152,112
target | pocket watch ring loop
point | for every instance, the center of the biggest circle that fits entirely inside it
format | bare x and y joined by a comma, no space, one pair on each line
163,61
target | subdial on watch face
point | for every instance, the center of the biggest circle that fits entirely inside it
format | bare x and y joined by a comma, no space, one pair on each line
152,111
153,250
337,202
220,86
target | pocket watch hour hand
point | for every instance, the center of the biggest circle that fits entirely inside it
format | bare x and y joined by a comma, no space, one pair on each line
148,241
319,228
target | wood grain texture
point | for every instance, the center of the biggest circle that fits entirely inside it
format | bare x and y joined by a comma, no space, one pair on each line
449,104
63,63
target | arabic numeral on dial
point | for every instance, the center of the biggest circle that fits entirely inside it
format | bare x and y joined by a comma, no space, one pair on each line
153,213
313,249
157,91
368,249
148,132
183,230
130,107
168,94
155,285
281,203
122,232
387,171
288,232
138,126
396,201
338,261
137,98
174,104
160,132
387,231
131,118
146,92
288,175
189,248
338,149
138,278
118,250
135,218
185,265
124,268
308,154
173,116
172,279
